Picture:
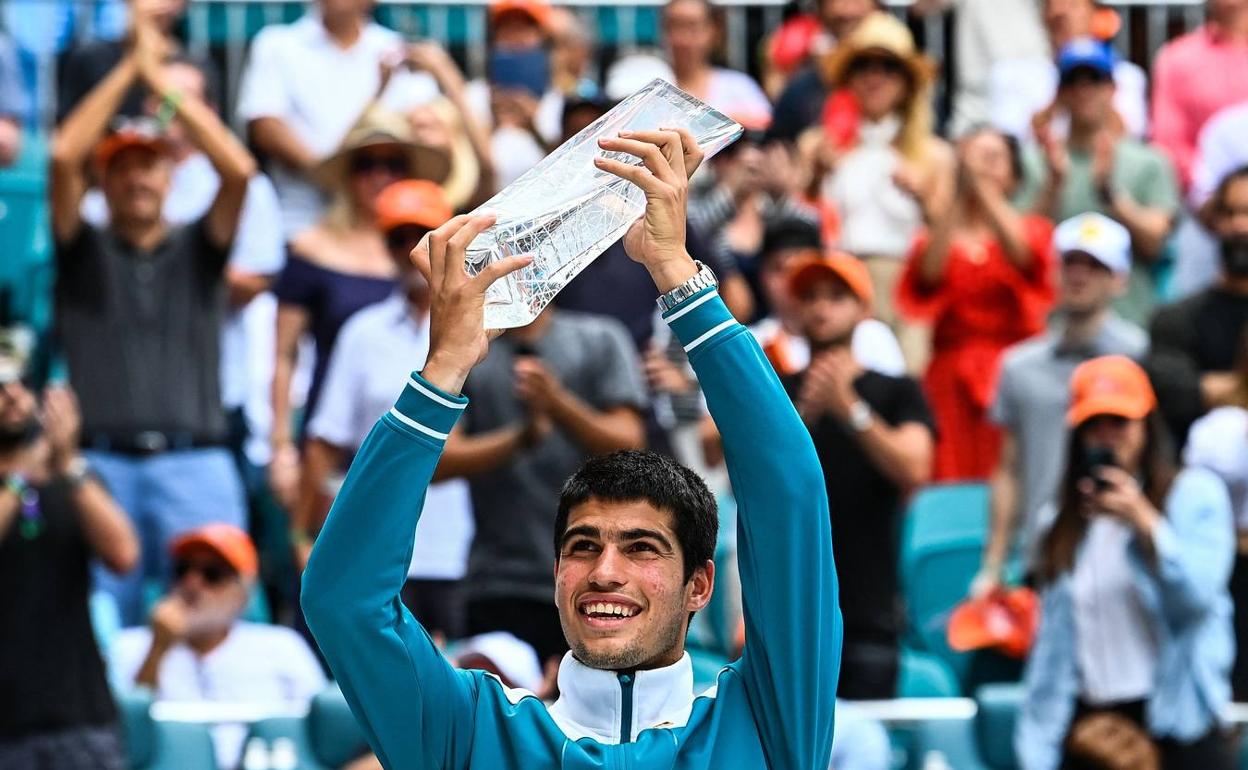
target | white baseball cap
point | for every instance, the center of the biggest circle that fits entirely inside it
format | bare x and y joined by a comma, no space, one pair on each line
1099,237
514,658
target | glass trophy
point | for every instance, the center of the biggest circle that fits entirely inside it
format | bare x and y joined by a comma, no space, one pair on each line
565,211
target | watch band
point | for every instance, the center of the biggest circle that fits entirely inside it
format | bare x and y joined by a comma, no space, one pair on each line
704,279
78,472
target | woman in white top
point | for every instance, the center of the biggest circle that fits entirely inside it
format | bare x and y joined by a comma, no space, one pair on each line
690,36
881,155
1135,633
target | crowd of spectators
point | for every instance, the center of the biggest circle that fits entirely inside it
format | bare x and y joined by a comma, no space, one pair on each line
1044,291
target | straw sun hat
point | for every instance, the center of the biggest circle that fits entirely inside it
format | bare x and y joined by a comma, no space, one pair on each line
880,33
380,127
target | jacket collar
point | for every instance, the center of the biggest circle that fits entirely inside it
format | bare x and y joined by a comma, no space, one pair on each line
594,703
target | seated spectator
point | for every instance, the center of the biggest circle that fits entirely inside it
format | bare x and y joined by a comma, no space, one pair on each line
86,64
1021,86
572,52
987,34
1098,169
893,170
55,517
139,310
786,243
1195,76
1219,441
255,259
691,32
1134,646
547,397
981,276
376,351
873,434
1195,341
305,85
13,103
801,103
517,99
1032,390
338,266
198,649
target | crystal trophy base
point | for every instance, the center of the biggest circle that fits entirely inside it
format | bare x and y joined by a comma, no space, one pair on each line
565,211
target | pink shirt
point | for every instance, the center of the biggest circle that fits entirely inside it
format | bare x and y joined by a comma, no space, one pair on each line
1195,76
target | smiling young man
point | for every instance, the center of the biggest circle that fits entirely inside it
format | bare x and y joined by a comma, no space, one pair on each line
634,534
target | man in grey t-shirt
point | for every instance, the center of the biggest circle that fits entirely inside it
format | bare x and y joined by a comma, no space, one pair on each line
1034,387
547,397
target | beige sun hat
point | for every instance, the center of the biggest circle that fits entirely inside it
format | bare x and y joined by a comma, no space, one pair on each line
382,127
465,171
880,32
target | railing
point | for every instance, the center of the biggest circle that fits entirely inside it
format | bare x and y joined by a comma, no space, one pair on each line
222,29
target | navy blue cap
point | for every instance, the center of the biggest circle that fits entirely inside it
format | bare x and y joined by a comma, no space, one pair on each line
1089,53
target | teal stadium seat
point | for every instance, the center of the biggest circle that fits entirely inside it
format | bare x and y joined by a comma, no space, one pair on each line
152,745
923,675
942,542
326,739
998,706
25,237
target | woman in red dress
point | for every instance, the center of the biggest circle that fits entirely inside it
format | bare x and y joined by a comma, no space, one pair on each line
981,277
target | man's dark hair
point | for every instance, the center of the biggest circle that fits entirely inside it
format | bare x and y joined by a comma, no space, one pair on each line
638,475
1218,200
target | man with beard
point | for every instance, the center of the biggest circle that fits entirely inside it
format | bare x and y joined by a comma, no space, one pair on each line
140,305
1194,342
55,707
874,436
197,648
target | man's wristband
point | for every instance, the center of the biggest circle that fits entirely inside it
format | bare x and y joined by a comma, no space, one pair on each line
168,109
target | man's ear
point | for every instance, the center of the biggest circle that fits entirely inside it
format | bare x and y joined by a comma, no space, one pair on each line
700,587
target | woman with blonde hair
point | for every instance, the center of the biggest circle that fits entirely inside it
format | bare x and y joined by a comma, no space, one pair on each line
881,165
339,265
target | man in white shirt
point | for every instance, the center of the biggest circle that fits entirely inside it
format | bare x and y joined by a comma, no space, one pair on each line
305,85
197,649
372,357
1022,85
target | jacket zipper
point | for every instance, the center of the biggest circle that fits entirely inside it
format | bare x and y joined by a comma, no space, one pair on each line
626,711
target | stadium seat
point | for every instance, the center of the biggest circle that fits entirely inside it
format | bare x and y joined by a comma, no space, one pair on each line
998,706
152,745
326,739
942,541
25,238
923,675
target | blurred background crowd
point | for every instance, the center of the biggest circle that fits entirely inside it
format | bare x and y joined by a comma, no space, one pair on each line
996,250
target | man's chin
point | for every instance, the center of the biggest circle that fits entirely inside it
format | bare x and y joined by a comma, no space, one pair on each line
609,654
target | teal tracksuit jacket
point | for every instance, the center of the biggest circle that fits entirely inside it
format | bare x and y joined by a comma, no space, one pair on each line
772,708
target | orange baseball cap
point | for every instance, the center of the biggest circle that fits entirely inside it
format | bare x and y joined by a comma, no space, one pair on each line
537,10
1109,385
228,541
838,265
134,133
1005,621
412,202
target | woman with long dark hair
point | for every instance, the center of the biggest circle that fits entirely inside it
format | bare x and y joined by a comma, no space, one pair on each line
1135,643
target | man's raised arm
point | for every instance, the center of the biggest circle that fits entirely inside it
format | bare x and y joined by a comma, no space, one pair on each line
414,707
788,581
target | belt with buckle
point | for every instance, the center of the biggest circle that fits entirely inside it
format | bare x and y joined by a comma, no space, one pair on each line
146,443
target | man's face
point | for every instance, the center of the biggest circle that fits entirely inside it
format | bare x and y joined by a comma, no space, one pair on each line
1067,20
345,7
1087,285
400,241
135,184
1088,95
17,413
164,13
688,30
829,311
1224,11
620,588
1231,217
578,119
774,277
842,16
212,590
373,169
517,31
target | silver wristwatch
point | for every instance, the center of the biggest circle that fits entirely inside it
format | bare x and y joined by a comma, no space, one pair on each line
860,417
704,279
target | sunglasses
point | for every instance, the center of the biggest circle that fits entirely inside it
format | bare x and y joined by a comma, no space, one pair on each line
887,65
1082,75
212,574
405,237
366,164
